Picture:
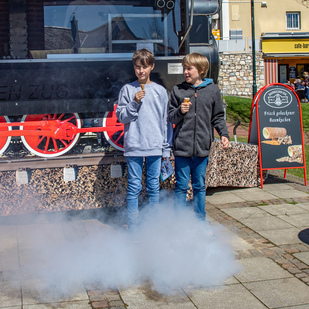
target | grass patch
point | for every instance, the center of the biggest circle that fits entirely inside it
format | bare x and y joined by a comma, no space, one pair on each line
240,139
240,109
305,116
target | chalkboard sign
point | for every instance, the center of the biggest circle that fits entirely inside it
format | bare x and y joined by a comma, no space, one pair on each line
292,72
276,127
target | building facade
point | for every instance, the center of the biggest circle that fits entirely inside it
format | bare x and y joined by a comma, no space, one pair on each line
281,42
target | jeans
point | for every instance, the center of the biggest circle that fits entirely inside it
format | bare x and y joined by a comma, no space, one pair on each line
135,171
196,167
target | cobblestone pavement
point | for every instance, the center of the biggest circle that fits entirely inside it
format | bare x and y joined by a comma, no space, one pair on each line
284,254
288,254
272,230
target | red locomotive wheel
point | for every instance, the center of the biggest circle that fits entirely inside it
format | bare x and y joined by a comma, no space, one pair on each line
115,138
4,140
46,146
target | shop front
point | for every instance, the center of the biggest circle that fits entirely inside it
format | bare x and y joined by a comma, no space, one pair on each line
286,56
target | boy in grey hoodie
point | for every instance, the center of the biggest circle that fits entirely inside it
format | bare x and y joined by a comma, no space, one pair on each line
143,109
194,121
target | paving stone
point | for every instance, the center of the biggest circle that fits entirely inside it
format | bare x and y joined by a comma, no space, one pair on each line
35,291
283,209
112,297
295,307
288,193
304,206
223,198
45,235
277,186
273,293
96,298
9,260
260,269
74,229
302,247
268,222
254,194
245,212
294,270
303,256
282,236
301,275
64,305
298,220
301,265
306,280
137,297
116,303
10,293
232,296
99,304
7,232
291,250
287,265
112,292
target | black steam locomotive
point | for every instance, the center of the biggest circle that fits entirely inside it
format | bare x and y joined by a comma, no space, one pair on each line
63,63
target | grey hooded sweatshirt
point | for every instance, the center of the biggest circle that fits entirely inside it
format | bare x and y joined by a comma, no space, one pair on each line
193,132
147,132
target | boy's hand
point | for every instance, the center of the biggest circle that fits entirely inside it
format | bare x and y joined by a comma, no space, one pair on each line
224,141
185,107
139,95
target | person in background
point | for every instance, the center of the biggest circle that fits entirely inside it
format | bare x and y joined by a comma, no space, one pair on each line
306,92
292,86
143,109
297,83
193,133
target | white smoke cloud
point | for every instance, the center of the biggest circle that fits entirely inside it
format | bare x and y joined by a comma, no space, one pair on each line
172,250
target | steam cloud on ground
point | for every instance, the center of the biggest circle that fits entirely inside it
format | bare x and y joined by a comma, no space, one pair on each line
170,249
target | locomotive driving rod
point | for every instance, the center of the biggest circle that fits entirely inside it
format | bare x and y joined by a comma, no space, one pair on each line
52,128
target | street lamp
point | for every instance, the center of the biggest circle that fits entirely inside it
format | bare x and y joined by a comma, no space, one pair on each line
254,87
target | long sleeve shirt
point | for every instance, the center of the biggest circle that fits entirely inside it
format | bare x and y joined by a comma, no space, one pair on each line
147,131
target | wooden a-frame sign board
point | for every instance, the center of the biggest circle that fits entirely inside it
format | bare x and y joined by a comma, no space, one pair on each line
276,127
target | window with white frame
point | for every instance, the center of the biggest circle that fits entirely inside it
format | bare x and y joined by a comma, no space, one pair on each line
292,20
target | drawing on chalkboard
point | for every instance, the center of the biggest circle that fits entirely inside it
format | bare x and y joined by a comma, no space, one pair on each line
295,154
277,136
278,99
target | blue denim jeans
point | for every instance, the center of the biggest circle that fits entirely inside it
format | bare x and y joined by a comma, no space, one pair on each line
135,171
196,168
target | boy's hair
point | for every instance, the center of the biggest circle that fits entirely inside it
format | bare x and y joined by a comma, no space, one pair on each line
145,56
197,60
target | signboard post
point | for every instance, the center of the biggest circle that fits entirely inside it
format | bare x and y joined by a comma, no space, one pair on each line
276,127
